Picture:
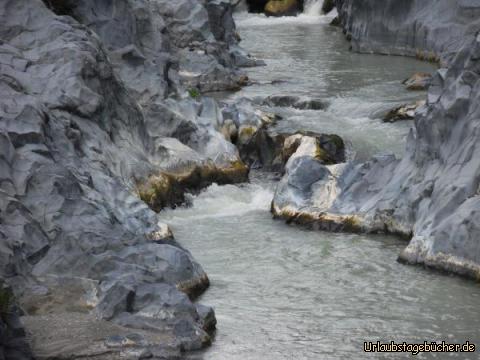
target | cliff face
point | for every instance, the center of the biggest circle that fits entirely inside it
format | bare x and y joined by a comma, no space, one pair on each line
431,30
432,194
93,102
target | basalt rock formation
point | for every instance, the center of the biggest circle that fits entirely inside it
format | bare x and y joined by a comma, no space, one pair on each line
96,100
430,30
431,195
252,130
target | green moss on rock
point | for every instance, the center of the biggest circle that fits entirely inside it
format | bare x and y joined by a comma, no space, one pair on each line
168,189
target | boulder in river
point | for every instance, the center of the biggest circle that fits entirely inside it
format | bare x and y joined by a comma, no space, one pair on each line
259,145
297,102
418,81
282,8
271,150
404,112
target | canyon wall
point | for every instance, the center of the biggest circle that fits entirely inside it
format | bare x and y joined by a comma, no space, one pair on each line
96,98
431,30
432,195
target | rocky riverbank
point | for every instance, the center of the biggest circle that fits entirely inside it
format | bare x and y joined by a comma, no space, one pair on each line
430,196
98,101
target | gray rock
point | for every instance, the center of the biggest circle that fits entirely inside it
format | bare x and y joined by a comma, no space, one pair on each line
295,102
93,102
404,112
431,195
429,29
418,81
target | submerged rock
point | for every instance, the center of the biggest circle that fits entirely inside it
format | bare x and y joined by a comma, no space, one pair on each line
404,112
296,102
418,81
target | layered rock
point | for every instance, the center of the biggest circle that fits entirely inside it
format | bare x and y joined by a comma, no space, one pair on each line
93,105
431,30
431,195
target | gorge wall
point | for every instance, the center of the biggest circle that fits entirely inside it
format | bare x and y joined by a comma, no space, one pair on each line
431,30
96,99
432,194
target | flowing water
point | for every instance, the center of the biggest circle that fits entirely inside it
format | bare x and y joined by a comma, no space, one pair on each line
282,292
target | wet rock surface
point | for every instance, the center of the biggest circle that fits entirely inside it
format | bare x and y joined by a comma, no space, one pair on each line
296,102
95,102
260,146
430,195
404,112
418,81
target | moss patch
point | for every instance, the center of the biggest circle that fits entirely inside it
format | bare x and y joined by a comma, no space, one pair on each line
194,93
168,189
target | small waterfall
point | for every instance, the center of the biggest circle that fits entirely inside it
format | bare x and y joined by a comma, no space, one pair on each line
313,7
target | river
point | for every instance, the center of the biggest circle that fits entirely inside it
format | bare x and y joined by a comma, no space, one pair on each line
283,292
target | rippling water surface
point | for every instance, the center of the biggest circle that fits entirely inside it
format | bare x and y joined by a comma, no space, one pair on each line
307,57
281,292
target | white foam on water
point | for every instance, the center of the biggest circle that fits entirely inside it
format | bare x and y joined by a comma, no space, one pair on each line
312,14
312,7
223,201
251,20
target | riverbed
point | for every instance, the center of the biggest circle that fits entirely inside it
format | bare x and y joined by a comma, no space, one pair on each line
283,292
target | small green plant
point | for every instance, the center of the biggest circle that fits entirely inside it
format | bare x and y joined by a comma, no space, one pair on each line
194,93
